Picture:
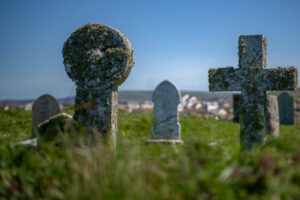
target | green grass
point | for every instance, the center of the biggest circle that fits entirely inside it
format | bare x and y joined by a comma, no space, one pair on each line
194,170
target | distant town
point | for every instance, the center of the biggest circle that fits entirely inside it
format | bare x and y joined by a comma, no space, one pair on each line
216,105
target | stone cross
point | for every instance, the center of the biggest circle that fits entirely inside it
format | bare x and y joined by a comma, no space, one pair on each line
98,59
286,108
165,127
43,108
253,80
272,114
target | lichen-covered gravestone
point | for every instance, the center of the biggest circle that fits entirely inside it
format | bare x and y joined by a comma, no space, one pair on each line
253,80
286,108
165,127
43,108
272,116
98,59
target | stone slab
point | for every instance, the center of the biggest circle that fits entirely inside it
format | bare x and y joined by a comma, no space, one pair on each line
166,98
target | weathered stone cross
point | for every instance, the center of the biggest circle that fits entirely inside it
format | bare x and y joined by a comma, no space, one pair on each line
253,80
98,59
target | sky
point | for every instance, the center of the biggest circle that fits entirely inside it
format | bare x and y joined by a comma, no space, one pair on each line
174,40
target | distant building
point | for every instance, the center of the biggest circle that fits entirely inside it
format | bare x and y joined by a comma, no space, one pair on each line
25,106
147,105
211,106
222,112
133,105
6,106
188,102
189,105
198,106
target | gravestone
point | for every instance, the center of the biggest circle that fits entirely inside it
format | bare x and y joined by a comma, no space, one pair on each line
236,108
98,59
43,108
165,127
286,108
272,117
253,80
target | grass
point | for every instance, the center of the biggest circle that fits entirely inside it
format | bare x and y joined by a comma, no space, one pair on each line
194,170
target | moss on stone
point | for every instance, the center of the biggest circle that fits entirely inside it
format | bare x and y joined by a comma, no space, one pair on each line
242,50
92,51
253,81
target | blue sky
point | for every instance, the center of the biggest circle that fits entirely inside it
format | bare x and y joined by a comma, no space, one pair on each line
175,40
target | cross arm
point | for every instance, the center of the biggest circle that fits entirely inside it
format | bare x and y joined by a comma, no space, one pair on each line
224,79
280,79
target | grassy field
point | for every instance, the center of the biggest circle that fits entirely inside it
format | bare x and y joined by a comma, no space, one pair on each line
207,166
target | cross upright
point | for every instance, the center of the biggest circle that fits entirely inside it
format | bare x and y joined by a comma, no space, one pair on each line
253,80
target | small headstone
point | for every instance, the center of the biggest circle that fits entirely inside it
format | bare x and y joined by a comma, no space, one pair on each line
253,80
286,108
43,108
272,117
165,127
98,59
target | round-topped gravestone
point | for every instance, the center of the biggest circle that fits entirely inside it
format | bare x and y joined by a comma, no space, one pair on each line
286,108
43,108
272,116
165,127
98,59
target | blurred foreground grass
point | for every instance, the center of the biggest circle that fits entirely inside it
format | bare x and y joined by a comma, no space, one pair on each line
207,166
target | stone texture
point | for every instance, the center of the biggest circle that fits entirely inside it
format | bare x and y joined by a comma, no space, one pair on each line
98,59
236,108
165,127
286,109
43,108
253,80
272,116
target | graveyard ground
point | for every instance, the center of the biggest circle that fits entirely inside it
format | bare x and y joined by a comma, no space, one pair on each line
207,166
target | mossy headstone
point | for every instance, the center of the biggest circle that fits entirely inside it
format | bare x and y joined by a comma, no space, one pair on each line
165,127
272,118
43,108
253,80
98,59
286,108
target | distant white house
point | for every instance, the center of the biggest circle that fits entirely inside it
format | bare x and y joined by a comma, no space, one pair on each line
133,105
188,102
129,106
222,112
211,106
26,106
198,106
147,105
185,97
122,106
191,102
